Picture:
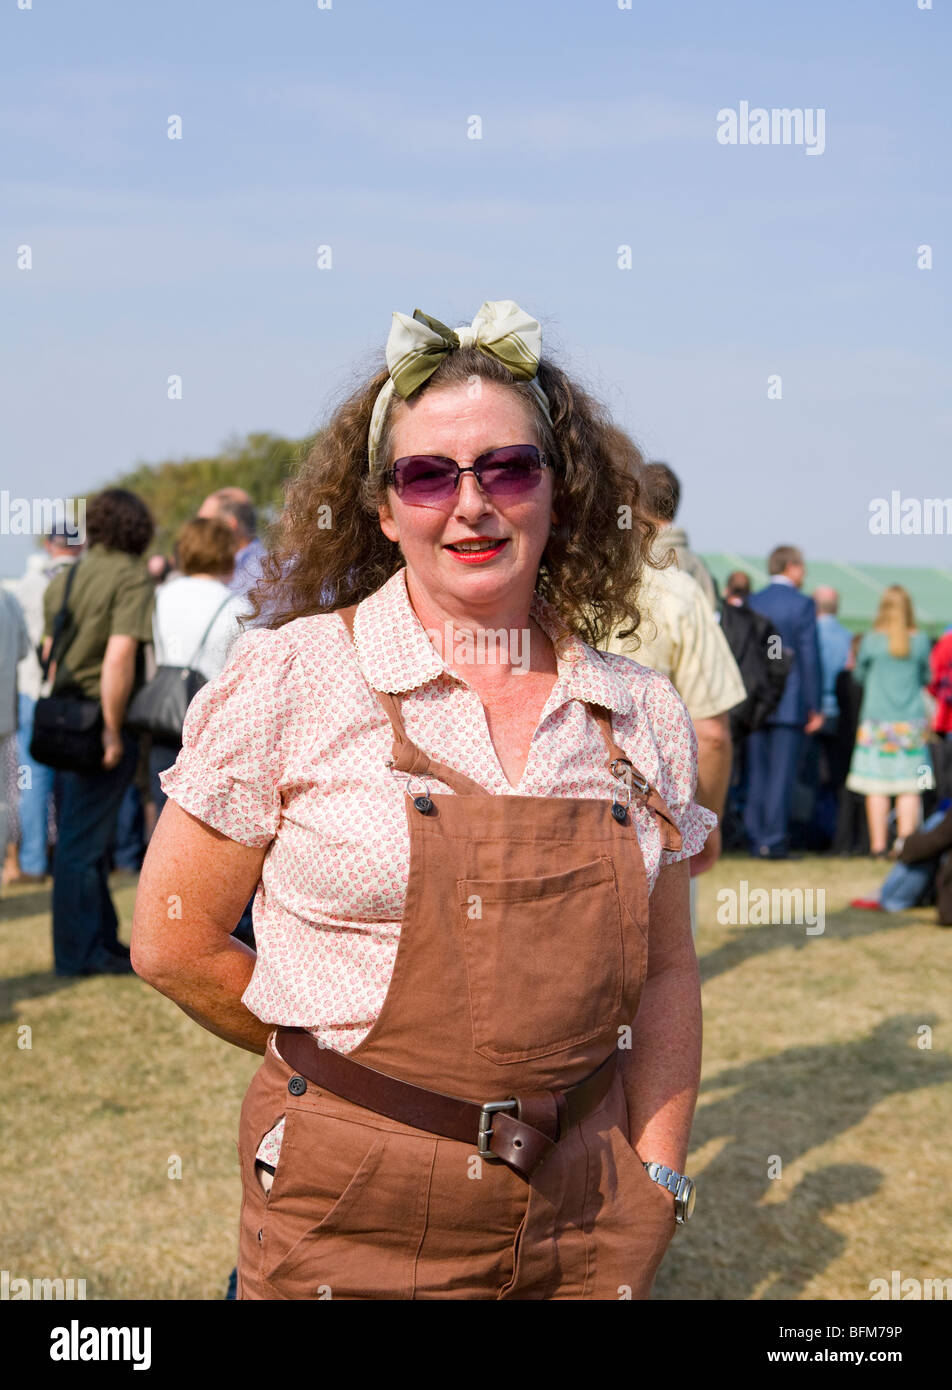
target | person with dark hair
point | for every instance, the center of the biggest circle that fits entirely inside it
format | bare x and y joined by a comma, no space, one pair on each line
662,493
737,588
470,829
773,751
234,507
108,619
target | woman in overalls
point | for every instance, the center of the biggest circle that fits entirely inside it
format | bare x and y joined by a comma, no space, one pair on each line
475,987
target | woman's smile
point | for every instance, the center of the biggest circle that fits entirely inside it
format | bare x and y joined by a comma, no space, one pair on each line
478,550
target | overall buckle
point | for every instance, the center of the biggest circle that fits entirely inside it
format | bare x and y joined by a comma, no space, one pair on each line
632,779
487,1110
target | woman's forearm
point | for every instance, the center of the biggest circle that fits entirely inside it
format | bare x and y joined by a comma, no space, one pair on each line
209,990
662,1069
193,887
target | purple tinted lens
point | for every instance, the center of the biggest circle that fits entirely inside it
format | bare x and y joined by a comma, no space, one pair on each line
508,472
422,477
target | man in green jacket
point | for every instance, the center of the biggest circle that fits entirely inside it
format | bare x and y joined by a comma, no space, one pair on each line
100,655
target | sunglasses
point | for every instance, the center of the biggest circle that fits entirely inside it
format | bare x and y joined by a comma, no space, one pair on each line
426,480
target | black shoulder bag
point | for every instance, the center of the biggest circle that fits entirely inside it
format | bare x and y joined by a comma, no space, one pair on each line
67,729
160,706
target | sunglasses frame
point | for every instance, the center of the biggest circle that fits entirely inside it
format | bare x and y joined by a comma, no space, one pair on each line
474,468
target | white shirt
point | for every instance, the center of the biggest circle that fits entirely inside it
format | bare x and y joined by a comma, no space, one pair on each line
183,609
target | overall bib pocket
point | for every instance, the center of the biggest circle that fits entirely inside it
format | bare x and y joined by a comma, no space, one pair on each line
544,960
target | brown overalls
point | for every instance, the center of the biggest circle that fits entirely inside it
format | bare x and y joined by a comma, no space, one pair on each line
521,959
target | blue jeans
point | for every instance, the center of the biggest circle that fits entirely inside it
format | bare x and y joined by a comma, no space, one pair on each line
85,925
907,883
128,846
34,798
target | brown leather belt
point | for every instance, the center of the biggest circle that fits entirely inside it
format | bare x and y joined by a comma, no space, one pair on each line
520,1130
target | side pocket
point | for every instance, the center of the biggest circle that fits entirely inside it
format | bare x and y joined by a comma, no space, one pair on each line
647,1212
323,1174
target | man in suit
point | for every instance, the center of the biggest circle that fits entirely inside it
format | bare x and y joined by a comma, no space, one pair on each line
773,751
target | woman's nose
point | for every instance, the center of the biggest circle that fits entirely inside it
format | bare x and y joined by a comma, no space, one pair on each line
470,501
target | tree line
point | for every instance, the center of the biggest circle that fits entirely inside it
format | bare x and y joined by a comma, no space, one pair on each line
175,489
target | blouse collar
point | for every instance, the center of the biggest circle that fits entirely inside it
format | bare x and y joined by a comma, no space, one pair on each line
396,655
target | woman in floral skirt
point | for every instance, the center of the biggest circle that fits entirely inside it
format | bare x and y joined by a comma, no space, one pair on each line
891,758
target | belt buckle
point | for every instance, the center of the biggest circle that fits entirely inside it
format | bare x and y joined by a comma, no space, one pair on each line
486,1112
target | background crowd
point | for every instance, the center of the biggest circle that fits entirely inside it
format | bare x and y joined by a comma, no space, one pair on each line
811,737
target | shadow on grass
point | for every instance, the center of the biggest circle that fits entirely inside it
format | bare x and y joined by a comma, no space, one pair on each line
847,924
34,986
36,902
782,1107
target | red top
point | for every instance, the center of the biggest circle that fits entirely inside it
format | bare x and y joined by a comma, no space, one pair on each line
941,684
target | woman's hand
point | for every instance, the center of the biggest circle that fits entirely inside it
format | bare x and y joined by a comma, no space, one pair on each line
194,886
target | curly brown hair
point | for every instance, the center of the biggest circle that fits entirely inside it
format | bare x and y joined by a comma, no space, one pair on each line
119,520
329,551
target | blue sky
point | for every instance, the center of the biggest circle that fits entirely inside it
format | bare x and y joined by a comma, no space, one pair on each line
347,127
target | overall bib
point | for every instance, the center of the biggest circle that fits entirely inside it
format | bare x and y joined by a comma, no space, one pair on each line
521,960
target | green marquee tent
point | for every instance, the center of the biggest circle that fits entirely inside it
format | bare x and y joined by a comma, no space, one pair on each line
859,587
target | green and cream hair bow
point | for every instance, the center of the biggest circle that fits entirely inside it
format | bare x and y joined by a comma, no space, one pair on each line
417,346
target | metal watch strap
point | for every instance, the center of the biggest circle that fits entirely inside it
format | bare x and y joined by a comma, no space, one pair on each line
676,1183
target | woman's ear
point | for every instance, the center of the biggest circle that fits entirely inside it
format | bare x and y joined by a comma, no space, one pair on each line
387,524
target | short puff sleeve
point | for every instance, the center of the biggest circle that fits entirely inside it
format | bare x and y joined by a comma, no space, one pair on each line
235,741
676,783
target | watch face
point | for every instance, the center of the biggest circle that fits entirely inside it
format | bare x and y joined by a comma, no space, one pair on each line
689,1202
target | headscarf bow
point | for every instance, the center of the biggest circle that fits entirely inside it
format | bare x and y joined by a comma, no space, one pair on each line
416,347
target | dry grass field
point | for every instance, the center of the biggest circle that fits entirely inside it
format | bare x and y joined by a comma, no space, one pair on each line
820,1145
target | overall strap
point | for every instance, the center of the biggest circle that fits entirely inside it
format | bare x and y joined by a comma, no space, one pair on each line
639,784
405,756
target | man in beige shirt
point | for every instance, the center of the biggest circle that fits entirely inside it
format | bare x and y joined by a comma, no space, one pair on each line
680,636
664,486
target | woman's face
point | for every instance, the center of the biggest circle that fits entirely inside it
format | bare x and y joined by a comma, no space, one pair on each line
448,422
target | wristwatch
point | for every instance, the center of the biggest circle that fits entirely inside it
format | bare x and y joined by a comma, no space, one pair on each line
682,1188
